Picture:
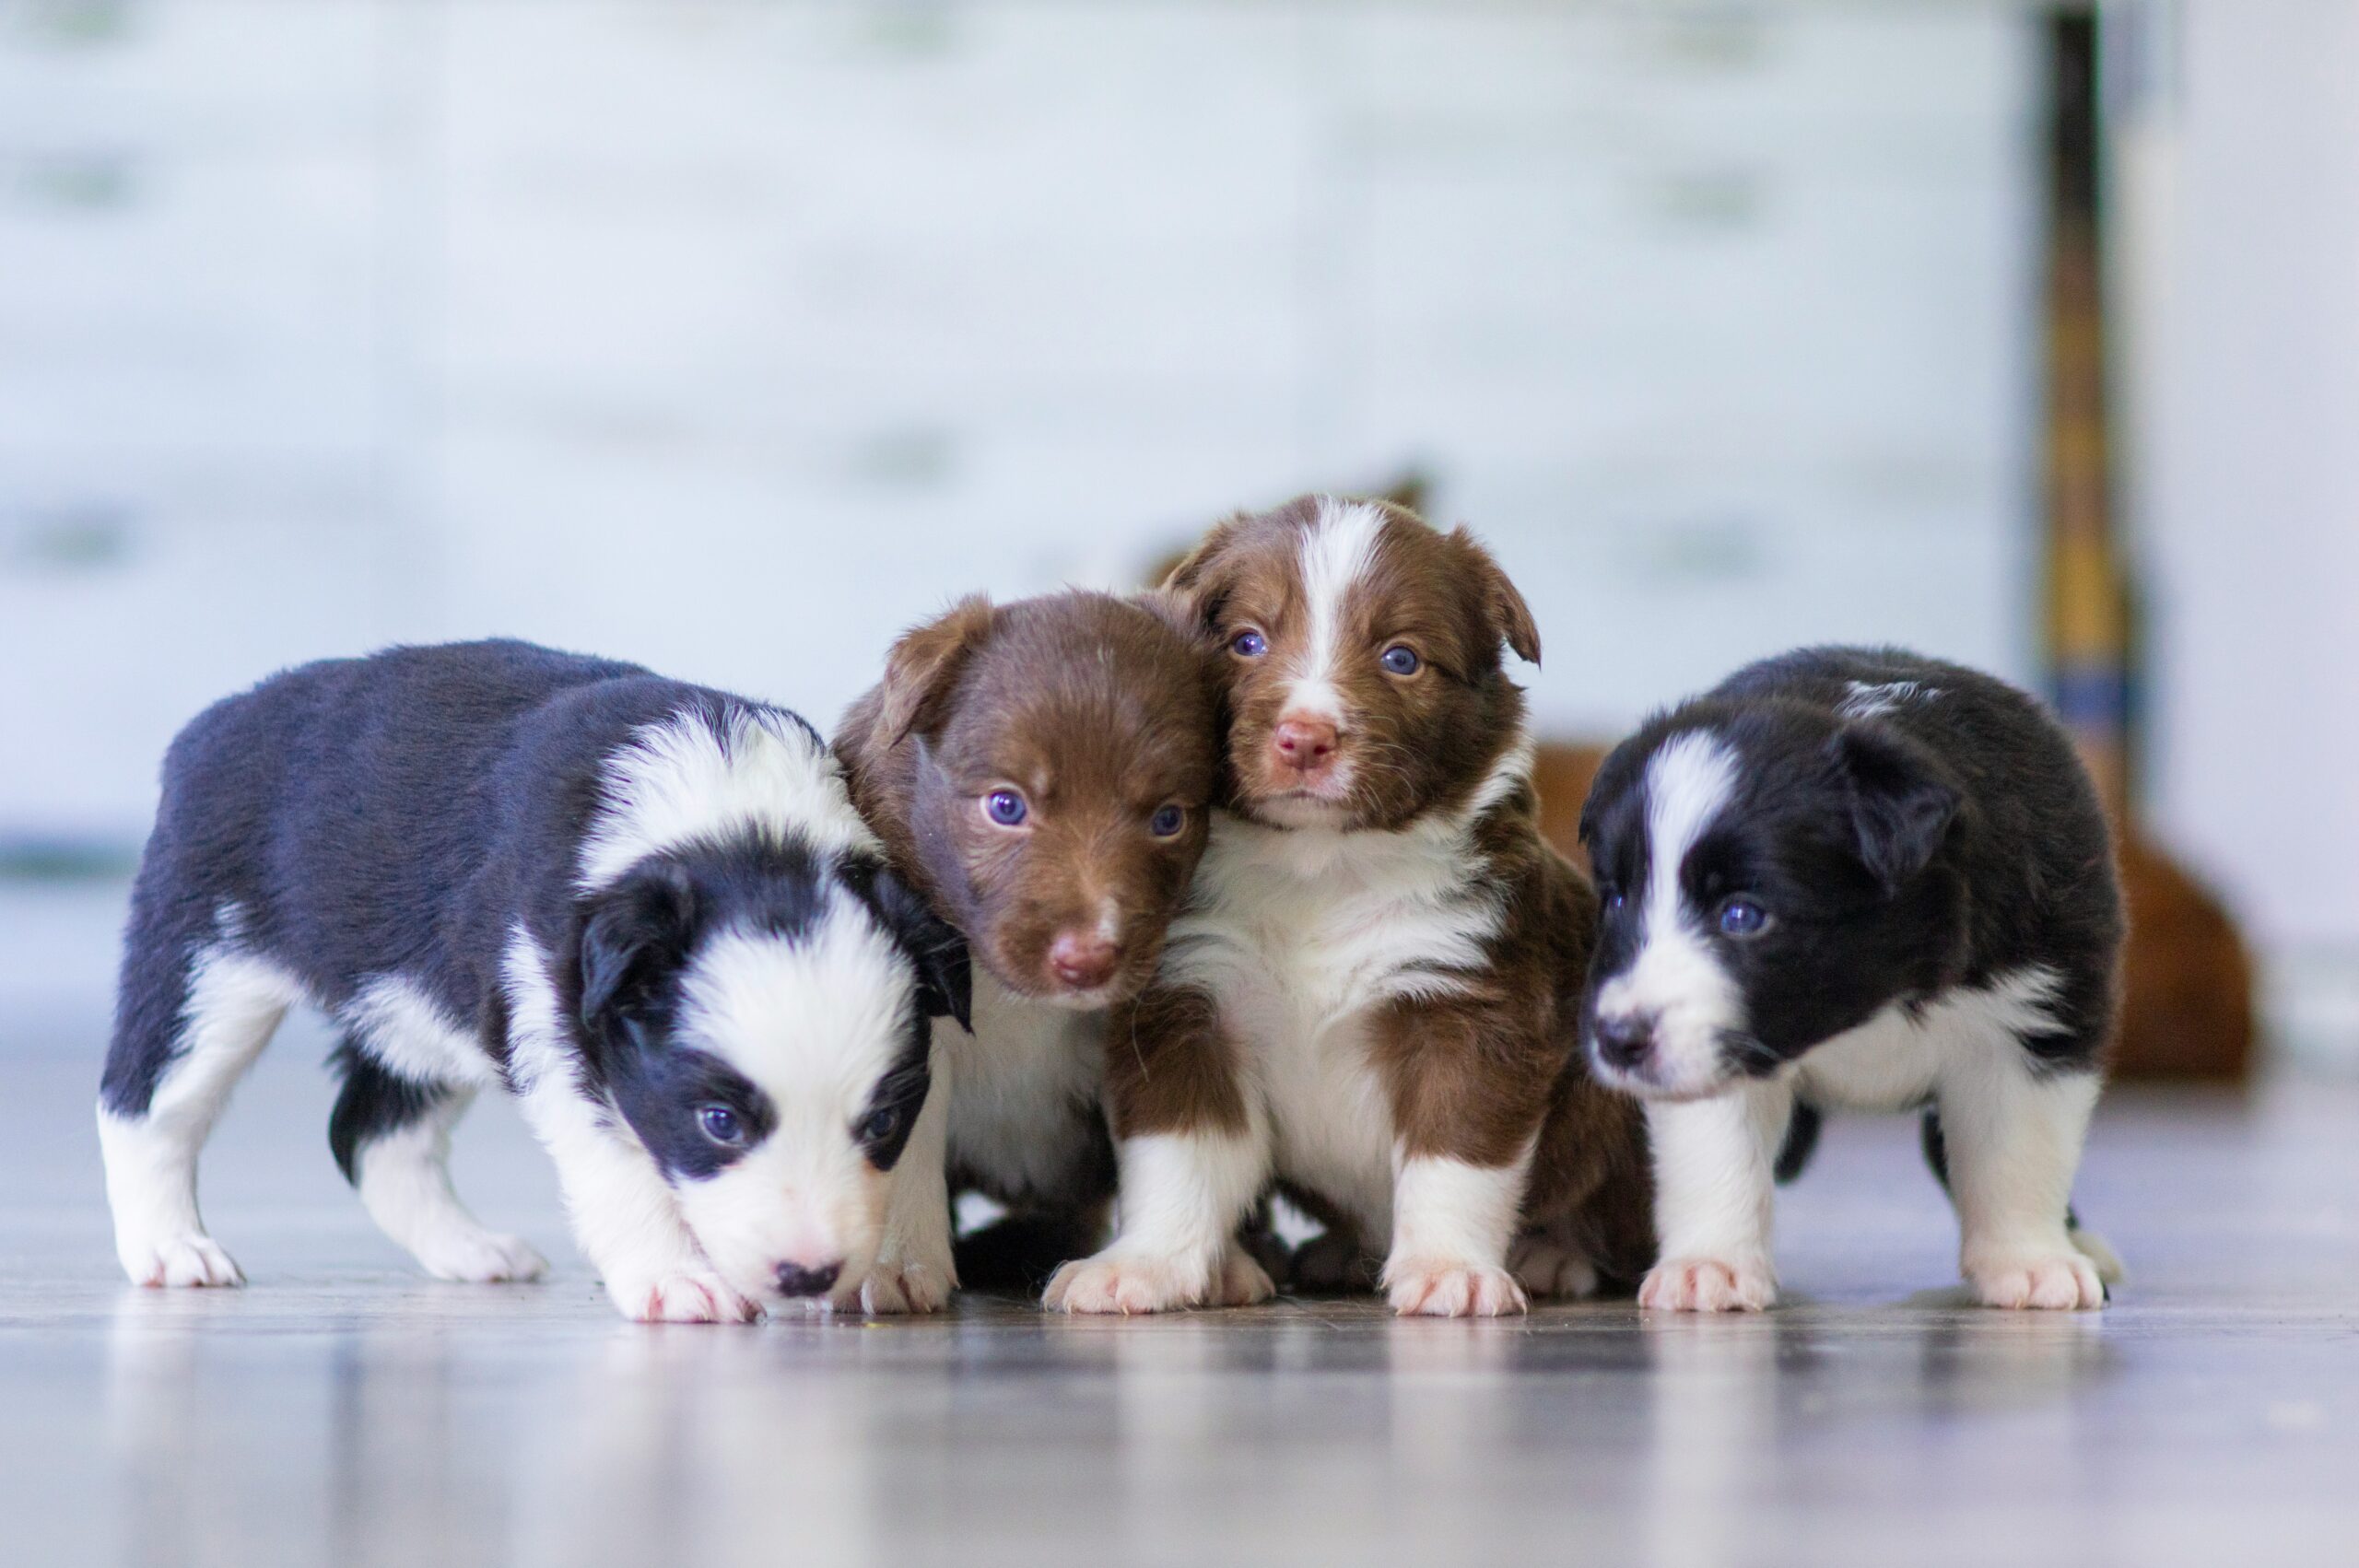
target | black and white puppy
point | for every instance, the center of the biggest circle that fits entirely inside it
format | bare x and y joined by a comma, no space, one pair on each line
646,908
1852,878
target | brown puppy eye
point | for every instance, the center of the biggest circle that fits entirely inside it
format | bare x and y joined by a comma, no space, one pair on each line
1401,659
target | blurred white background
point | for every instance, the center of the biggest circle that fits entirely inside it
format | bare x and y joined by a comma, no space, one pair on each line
732,335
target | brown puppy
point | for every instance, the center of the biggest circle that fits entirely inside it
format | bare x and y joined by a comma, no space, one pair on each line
1373,994
1040,771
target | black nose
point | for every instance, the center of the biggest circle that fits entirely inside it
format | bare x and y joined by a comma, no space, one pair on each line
1623,1040
795,1280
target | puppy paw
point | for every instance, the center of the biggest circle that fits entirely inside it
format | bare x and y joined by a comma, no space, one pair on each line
1550,1268
892,1290
483,1258
190,1258
2058,1282
1112,1281
1440,1288
1242,1280
1710,1285
683,1298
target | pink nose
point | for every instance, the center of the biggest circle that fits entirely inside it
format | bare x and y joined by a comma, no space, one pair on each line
1304,744
1082,960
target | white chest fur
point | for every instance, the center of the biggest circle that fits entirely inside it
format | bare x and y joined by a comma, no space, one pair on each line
1021,1083
1895,1061
1302,937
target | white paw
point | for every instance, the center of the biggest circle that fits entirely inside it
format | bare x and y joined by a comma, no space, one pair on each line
681,1298
1241,1281
2058,1282
1115,1281
190,1259
482,1257
1440,1288
1548,1267
1710,1285
892,1288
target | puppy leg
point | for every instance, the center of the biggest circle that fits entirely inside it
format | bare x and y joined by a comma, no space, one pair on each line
914,1270
1182,1194
1550,1262
1713,1192
1192,1165
625,1218
1452,1222
2013,1139
187,1028
392,1138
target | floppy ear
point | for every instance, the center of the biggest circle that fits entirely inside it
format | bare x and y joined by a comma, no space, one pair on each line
944,983
1510,617
924,666
1193,589
1901,806
635,933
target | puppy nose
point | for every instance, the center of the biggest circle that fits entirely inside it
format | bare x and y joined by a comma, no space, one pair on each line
1624,1040
798,1279
1082,960
1304,744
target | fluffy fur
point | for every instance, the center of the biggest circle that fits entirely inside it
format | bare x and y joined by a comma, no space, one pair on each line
647,908
1097,715
1855,878
1370,996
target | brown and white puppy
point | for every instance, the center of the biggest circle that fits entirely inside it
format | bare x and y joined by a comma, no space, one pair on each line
1372,997
1041,771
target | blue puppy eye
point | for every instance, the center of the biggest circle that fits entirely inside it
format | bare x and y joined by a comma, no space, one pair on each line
1249,645
1740,918
1615,899
721,1124
880,1126
1167,821
1005,807
1401,659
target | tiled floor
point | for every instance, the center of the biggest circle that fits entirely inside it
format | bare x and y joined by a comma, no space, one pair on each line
342,1411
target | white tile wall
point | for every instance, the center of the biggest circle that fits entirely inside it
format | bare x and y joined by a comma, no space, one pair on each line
732,334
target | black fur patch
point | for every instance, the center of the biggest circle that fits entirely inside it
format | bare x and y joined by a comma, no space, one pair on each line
372,1103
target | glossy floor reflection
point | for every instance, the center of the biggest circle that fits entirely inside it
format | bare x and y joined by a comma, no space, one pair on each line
342,1411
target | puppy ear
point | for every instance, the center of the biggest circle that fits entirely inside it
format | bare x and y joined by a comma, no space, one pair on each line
944,979
1901,805
1192,591
925,665
1173,609
1509,617
633,934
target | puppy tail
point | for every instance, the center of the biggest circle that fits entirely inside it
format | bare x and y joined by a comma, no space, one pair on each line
2095,1249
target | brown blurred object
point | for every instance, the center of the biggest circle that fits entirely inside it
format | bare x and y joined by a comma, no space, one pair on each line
2187,979
2187,1007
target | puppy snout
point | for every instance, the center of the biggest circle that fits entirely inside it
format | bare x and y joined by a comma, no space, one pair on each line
802,1279
1084,959
1304,744
1624,1039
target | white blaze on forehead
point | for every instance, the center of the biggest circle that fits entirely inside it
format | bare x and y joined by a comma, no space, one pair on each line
1676,980
813,1020
682,779
1335,553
